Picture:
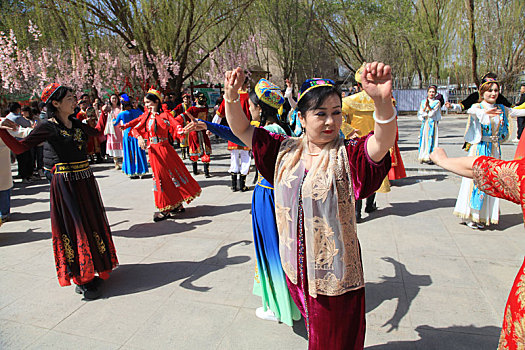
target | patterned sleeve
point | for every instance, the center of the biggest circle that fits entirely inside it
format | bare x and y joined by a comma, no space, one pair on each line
498,178
265,147
367,175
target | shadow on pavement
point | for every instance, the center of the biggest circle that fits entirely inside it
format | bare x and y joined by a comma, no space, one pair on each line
506,221
220,156
377,293
32,216
411,180
136,278
408,148
411,208
217,182
200,211
29,190
155,229
12,238
455,337
116,209
20,202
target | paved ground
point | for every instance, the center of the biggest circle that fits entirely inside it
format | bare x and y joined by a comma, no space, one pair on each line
432,283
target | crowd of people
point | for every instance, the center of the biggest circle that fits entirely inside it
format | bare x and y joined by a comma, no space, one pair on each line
318,155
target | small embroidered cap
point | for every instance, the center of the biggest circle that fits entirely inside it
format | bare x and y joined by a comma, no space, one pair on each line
269,93
49,91
156,93
313,83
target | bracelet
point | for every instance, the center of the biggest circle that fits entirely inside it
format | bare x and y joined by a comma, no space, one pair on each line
385,121
231,101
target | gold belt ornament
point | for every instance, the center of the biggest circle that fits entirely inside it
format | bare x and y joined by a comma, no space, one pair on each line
73,167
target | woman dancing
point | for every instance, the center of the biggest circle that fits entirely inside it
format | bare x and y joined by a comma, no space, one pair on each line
172,183
317,178
487,128
82,240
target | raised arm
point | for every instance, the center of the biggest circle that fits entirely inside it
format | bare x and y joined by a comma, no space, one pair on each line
377,82
237,120
288,94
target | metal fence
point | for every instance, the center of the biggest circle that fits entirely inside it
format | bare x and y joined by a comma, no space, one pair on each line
409,100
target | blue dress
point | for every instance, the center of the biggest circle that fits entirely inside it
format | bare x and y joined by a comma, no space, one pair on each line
134,161
270,280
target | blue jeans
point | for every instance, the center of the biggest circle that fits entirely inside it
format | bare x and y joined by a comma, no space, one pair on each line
5,203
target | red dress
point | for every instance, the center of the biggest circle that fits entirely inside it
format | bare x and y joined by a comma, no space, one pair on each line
172,183
180,108
198,141
184,120
503,179
245,104
398,168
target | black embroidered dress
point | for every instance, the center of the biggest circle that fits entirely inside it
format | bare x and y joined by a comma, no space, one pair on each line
82,241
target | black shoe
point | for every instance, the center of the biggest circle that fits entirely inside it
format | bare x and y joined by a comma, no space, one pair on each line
242,183
207,170
90,290
179,209
195,171
371,208
160,216
234,183
358,219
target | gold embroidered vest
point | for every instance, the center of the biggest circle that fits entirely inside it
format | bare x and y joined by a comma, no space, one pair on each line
333,255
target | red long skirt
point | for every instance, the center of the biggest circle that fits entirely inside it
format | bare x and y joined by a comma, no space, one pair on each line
332,322
172,183
82,240
512,335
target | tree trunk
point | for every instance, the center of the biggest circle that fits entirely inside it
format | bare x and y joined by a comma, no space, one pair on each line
472,41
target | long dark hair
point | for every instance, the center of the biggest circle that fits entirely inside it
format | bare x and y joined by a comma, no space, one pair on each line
118,100
268,113
154,99
58,96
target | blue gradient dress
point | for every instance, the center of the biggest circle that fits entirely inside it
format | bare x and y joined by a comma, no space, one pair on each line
270,280
134,162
